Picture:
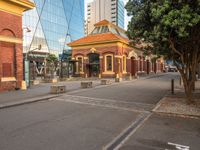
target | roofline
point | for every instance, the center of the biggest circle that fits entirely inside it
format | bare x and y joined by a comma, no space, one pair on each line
92,43
110,24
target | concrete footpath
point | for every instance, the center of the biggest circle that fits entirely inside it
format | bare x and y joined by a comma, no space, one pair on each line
35,93
41,91
176,104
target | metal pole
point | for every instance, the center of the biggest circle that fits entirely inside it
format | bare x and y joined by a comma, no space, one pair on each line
172,86
61,69
27,70
68,69
180,81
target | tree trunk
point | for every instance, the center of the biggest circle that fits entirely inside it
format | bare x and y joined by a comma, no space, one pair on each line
189,94
188,87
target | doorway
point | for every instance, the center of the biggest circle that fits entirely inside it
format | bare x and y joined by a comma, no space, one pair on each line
133,66
94,65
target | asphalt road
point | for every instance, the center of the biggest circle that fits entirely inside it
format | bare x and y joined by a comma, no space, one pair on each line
96,118
148,91
166,133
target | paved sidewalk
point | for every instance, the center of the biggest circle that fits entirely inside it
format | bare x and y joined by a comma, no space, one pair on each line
37,91
176,104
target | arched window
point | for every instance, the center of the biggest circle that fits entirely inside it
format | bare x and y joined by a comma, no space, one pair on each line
109,62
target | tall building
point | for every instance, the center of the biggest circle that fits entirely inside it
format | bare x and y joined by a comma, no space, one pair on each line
11,57
53,23
111,10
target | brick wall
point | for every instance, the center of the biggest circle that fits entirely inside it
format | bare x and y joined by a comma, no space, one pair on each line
115,50
11,25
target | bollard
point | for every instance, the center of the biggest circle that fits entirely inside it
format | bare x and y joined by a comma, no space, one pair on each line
172,86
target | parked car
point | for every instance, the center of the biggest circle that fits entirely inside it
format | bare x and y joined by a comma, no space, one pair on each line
172,69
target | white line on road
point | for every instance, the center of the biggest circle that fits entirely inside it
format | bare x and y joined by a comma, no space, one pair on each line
100,105
111,100
117,142
178,146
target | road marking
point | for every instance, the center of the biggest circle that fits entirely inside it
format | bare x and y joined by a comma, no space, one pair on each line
117,142
135,107
100,105
178,146
112,100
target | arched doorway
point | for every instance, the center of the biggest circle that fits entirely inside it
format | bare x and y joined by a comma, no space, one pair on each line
94,65
133,66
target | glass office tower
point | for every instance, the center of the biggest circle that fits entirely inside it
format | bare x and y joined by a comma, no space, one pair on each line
120,13
52,24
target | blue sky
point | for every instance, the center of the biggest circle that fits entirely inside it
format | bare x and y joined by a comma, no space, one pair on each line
126,17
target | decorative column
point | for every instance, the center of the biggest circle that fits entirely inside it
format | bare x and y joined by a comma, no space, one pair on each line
118,69
101,66
85,70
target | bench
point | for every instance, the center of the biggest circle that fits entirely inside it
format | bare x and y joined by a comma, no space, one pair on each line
86,85
105,82
57,89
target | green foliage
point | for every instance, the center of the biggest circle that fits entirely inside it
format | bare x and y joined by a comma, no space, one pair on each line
158,20
173,29
51,58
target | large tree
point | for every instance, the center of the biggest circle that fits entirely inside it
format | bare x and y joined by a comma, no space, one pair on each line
173,28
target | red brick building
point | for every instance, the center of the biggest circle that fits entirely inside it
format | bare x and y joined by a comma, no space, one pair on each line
11,57
106,53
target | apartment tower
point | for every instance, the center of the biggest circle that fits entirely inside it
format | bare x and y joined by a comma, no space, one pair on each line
98,10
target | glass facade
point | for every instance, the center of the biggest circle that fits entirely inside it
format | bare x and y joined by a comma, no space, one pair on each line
52,24
120,13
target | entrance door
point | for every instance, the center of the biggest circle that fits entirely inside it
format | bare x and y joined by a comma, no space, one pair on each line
94,66
133,66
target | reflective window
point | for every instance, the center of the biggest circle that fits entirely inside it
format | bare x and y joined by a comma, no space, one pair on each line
53,23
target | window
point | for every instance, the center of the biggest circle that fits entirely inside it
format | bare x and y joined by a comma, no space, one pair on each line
109,62
7,70
104,29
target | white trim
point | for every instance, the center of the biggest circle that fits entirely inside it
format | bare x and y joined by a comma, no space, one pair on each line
8,79
108,72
